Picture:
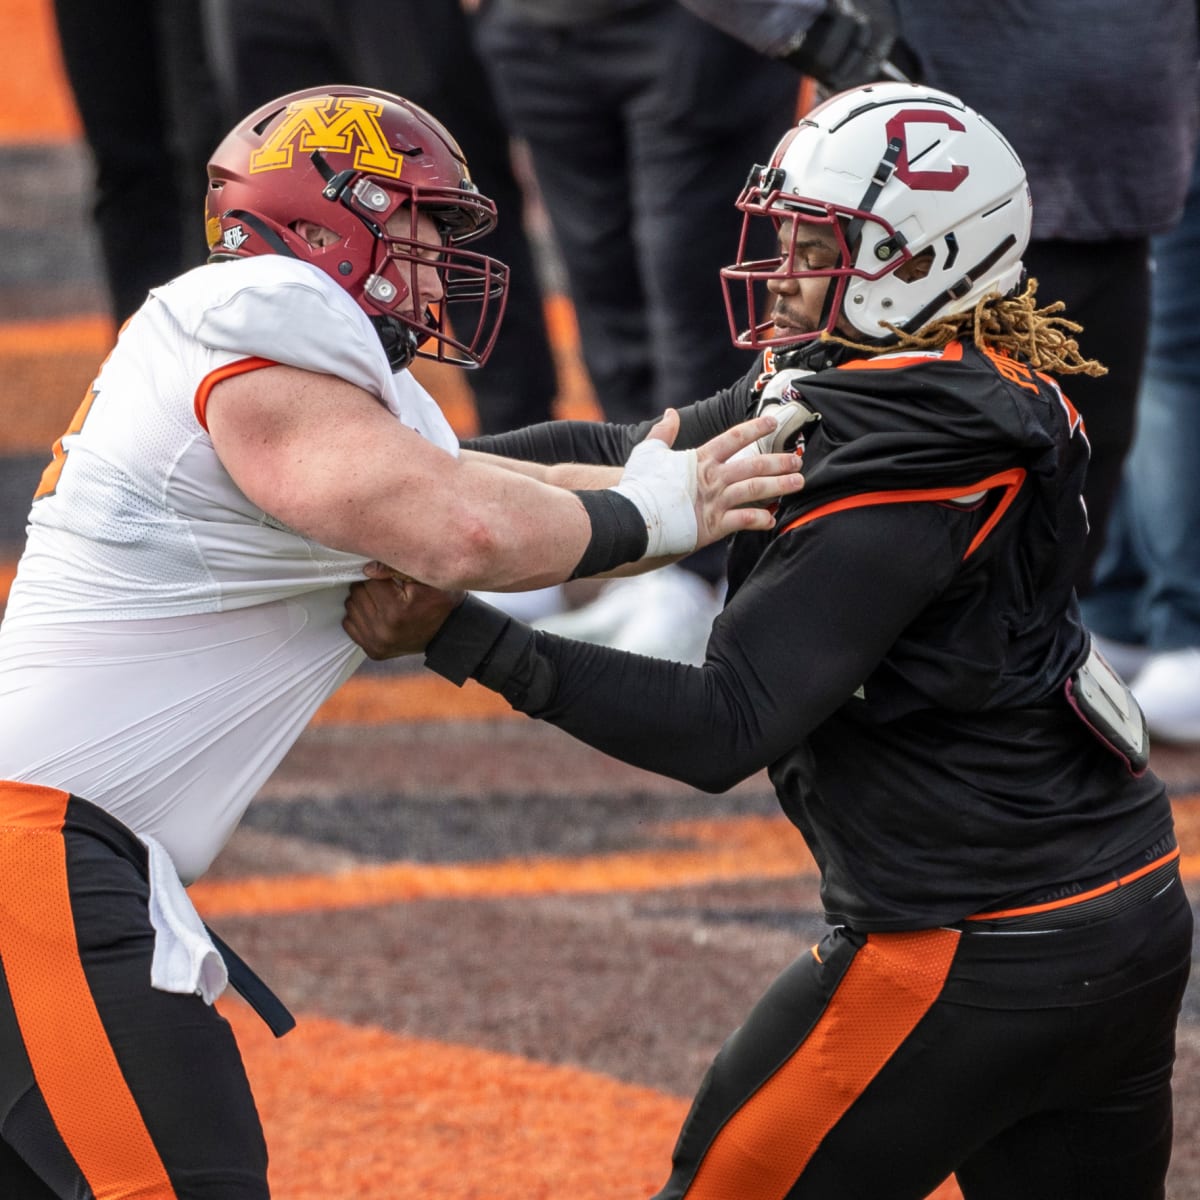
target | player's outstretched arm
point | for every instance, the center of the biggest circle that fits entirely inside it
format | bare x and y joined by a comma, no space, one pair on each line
328,460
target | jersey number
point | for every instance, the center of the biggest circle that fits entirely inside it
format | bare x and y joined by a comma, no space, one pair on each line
50,475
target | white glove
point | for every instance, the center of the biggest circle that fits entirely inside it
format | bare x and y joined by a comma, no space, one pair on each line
661,482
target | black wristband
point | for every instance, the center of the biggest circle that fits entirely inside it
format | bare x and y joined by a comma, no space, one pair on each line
466,638
480,642
618,533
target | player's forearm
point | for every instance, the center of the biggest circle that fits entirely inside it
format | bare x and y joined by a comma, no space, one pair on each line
331,463
571,475
564,441
512,532
603,442
662,716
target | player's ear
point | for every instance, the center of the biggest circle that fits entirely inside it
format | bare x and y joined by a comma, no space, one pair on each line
314,234
916,268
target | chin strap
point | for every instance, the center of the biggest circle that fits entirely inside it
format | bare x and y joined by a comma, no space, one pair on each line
398,340
815,355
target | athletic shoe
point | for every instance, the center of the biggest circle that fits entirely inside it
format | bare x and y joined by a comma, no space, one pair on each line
674,619
665,614
1168,689
599,620
527,606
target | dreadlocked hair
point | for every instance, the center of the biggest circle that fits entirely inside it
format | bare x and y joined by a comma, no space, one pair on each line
1013,325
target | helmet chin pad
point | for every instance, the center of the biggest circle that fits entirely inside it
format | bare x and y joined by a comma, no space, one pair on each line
815,355
399,341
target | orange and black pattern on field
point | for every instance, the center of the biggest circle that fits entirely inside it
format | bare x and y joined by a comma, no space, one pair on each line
511,958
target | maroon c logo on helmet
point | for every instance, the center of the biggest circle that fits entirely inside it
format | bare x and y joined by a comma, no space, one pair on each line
925,181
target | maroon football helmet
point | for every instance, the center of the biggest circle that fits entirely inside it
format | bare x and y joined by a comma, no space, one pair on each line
349,159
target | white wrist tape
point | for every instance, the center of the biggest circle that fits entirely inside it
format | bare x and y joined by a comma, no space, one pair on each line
661,482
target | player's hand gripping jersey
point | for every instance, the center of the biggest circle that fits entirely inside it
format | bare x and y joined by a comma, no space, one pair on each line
202,634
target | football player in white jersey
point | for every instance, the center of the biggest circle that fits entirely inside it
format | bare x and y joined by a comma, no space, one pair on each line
252,441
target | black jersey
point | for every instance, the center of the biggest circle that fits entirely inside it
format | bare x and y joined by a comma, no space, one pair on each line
894,651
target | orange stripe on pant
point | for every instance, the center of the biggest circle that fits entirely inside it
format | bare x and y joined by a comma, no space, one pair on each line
763,1148
75,1067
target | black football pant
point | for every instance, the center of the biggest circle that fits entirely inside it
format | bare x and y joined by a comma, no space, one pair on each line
108,1088
1031,1065
146,97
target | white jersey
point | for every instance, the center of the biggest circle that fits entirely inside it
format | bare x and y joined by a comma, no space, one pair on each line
166,641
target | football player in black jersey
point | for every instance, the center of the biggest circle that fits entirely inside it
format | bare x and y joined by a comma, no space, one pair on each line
1009,939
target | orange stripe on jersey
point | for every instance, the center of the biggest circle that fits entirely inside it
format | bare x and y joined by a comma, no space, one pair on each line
210,381
1078,897
73,1062
764,1147
951,352
1010,480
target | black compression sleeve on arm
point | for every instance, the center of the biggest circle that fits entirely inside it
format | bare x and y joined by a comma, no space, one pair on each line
466,639
714,725
618,532
591,442
480,642
597,442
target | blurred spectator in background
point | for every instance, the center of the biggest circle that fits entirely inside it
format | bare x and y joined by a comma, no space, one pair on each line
1099,99
151,114
1146,601
634,113
639,119
840,44
424,51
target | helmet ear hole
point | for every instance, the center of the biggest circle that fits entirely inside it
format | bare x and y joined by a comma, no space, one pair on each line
917,267
314,233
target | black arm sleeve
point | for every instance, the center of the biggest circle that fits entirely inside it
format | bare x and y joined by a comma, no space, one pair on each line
814,618
597,442
564,441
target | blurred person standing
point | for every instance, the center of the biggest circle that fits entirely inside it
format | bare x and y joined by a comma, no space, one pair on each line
639,118
425,52
1099,98
1146,600
142,82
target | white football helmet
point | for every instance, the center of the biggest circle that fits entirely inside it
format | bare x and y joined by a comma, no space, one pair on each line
897,170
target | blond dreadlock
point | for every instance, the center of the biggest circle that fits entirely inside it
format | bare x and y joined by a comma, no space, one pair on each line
1013,326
